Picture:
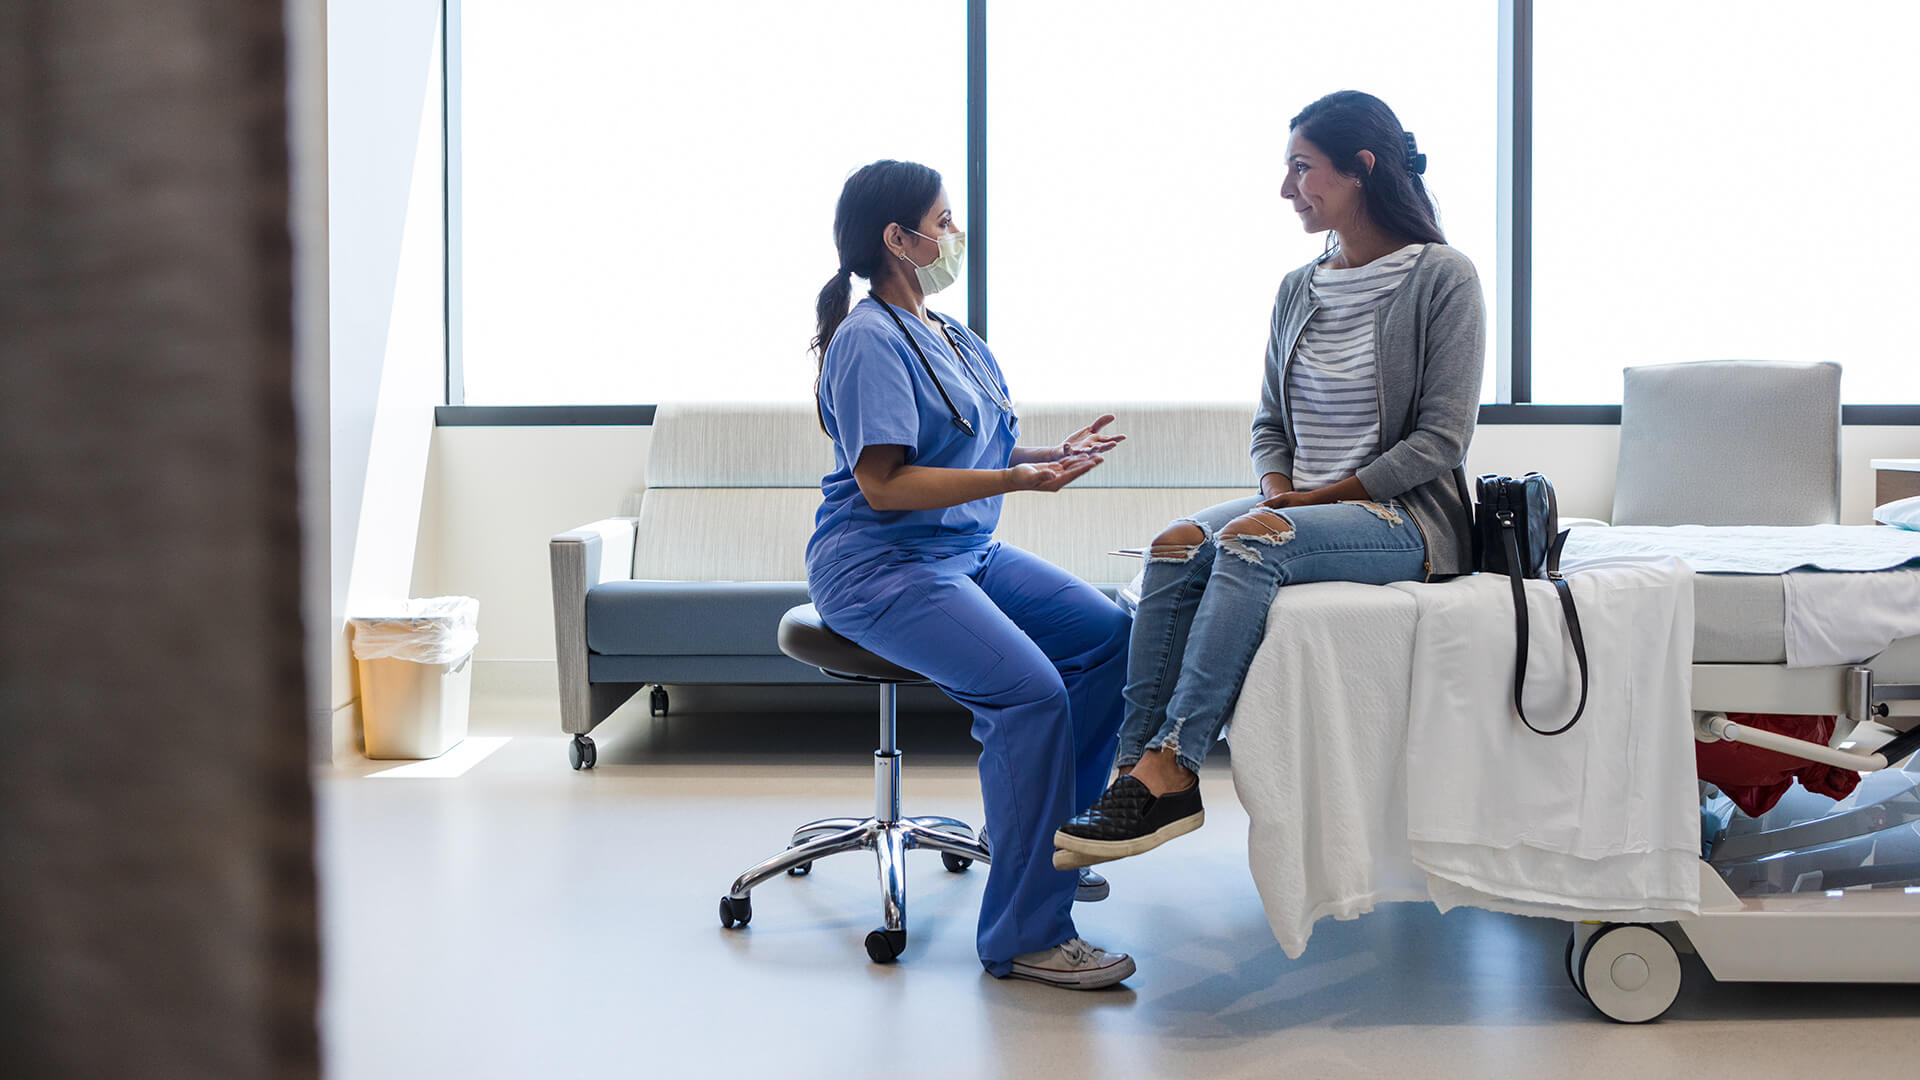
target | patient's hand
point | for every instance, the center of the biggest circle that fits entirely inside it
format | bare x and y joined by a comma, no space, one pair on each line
1290,498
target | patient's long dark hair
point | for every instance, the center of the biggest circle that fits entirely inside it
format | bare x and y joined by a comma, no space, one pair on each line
877,195
1346,122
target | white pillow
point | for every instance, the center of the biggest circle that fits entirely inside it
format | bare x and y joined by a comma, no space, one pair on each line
1904,513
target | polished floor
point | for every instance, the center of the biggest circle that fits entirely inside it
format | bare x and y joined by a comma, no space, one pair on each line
524,920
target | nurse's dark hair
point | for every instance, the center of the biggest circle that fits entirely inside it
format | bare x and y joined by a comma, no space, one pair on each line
875,196
1346,122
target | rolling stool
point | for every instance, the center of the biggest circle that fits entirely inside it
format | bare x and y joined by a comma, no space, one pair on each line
806,638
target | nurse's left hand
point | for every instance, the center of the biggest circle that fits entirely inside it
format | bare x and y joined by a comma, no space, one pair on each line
1089,440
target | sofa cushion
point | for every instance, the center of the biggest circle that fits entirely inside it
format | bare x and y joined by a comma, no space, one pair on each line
689,618
737,445
760,534
724,534
726,445
1168,446
693,620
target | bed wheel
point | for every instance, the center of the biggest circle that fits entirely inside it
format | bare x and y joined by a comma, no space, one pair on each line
1573,973
1630,972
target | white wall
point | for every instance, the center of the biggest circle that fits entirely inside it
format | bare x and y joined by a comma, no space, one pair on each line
496,494
386,328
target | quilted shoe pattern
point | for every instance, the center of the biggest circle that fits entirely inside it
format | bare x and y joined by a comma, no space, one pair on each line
1127,819
1116,815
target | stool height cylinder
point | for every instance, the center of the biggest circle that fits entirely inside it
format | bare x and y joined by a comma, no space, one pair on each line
886,763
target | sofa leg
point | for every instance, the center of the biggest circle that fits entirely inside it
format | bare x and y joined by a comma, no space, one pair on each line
581,752
658,704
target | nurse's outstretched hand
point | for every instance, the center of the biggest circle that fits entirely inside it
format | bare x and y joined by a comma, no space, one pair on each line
1053,475
1089,440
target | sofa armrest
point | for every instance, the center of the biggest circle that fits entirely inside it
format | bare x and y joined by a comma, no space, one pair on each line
582,558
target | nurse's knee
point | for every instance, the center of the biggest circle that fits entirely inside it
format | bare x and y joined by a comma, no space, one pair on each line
1263,527
1038,686
1179,542
1119,628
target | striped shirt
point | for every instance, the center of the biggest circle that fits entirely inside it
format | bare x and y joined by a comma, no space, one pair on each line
1333,392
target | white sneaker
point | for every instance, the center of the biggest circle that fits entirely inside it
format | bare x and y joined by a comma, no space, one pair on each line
1075,965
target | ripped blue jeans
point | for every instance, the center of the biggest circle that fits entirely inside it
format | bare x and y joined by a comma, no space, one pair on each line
1203,607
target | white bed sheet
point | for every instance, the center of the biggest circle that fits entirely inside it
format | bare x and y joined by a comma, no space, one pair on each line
1848,590
1754,549
1321,751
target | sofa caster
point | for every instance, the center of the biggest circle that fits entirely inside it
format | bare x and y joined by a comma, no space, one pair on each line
657,704
582,753
735,912
885,946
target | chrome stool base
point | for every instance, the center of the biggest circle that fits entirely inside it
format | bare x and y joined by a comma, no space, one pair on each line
886,834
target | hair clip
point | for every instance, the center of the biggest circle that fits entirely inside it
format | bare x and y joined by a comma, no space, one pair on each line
1416,161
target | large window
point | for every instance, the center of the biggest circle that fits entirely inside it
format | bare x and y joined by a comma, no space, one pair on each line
642,191
646,190
1135,154
1725,179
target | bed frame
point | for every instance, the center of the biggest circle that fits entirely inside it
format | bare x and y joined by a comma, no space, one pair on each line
1631,972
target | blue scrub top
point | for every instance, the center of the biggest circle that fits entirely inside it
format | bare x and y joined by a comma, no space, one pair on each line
874,392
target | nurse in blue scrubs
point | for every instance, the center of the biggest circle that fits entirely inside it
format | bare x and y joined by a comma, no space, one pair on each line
904,563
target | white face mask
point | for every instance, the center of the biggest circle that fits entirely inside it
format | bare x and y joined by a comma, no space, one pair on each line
944,270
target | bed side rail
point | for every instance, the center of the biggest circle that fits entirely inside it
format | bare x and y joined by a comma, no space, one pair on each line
1715,727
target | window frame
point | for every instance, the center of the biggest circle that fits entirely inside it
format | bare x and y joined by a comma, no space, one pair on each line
1514,224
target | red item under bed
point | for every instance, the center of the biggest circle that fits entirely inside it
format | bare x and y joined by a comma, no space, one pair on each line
1755,779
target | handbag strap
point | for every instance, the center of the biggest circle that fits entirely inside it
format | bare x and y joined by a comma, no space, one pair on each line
1520,622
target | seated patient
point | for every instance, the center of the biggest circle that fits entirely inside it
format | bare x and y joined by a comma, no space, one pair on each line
1371,392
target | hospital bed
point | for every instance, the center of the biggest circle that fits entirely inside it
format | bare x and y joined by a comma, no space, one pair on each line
1814,890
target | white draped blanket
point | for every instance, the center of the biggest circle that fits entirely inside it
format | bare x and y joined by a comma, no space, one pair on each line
1376,753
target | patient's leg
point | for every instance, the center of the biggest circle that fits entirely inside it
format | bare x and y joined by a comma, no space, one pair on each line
1262,550
1225,631
1178,563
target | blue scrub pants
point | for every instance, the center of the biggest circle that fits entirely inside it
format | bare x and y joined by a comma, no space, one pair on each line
1039,657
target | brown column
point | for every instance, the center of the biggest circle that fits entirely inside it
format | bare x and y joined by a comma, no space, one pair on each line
156,833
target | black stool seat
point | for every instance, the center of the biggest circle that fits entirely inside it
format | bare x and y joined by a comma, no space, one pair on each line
804,636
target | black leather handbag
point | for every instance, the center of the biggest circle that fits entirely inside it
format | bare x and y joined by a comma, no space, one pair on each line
1516,532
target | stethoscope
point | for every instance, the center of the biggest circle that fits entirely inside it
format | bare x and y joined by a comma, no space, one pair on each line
966,358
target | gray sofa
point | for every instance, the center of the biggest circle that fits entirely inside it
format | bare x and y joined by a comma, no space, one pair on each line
691,589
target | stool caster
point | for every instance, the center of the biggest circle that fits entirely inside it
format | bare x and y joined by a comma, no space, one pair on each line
657,704
581,752
955,864
735,912
885,946
802,870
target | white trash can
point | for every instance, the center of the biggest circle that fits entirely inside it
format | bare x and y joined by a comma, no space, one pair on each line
416,675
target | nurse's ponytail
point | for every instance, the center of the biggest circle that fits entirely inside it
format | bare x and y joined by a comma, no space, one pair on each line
874,197
830,310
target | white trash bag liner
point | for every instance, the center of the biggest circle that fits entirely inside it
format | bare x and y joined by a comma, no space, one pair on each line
433,630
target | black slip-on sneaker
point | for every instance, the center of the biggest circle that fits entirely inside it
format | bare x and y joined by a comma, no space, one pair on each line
1092,888
1127,819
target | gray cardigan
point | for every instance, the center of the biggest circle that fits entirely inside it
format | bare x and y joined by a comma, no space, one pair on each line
1430,346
